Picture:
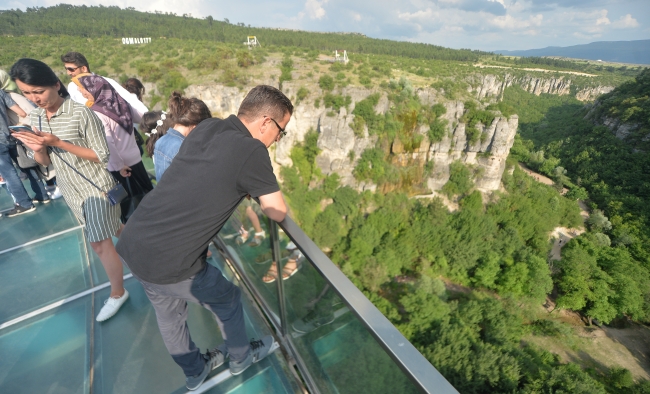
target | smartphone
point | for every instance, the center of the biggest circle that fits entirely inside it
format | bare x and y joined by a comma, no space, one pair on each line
15,129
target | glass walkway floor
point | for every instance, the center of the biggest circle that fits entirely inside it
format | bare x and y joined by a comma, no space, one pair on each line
52,285
332,338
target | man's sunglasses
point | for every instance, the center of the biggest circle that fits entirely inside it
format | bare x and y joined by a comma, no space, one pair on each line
72,69
282,132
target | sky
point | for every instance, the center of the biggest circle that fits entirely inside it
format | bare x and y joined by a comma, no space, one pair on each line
475,24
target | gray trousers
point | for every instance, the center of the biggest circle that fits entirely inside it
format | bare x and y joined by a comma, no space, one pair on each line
211,290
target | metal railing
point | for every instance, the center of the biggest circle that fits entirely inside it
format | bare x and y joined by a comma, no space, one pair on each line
312,357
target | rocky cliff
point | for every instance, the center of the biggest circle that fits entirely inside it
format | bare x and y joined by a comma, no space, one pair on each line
632,132
340,149
488,85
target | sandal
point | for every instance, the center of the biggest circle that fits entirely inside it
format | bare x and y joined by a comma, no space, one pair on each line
271,274
289,272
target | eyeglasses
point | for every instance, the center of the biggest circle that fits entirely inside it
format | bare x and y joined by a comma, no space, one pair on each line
72,69
282,132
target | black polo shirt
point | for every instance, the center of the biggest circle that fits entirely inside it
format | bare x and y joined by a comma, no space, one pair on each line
218,164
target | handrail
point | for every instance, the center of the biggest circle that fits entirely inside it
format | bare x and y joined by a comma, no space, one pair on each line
424,375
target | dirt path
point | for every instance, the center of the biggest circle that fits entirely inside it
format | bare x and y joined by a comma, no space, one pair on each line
539,177
602,348
538,69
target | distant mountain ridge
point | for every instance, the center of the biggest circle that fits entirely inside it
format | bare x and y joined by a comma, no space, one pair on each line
636,52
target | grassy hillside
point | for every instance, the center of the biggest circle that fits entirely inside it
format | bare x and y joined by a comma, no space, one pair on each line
115,22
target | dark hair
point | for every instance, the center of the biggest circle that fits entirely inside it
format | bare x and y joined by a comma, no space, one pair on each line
36,73
133,85
264,100
149,123
75,58
187,111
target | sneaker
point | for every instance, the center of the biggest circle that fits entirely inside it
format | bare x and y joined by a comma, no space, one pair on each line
213,359
55,193
259,350
311,322
111,306
43,201
18,210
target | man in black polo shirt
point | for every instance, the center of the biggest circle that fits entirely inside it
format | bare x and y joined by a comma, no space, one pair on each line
165,241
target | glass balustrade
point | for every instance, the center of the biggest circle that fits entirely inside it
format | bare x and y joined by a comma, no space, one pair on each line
333,346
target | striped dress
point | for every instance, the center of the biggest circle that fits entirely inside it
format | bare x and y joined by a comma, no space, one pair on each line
78,125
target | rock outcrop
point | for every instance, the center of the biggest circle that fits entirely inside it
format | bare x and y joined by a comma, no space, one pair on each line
341,149
590,94
488,154
489,85
621,130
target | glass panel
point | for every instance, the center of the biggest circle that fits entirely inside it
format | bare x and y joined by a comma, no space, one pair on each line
48,354
341,355
253,252
48,219
130,356
39,274
264,380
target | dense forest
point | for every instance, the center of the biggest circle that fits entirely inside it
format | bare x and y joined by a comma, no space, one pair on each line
613,176
406,253
499,250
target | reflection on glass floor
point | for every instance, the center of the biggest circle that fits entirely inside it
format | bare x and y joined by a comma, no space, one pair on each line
45,261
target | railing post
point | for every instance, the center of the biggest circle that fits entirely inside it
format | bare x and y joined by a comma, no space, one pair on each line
275,250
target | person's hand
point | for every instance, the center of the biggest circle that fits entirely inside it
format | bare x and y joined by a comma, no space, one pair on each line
125,171
37,141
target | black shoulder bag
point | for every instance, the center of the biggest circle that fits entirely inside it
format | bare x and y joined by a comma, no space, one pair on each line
131,202
115,195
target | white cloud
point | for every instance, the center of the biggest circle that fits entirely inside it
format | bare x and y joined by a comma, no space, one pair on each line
508,22
625,22
420,15
502,2
603,20
314,8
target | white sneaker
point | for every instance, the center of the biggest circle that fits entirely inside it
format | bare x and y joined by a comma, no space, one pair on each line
111,306
55,193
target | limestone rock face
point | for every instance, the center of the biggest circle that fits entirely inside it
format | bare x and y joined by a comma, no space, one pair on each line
336,142
488,85
537,86
620,129
341,149
488,154
222,100
590,94
428,96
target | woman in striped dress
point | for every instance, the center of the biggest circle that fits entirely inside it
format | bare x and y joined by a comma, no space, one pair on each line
72,132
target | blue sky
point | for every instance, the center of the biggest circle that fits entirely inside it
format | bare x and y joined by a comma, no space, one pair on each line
475,24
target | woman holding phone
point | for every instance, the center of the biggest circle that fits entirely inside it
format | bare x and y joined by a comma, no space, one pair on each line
71,132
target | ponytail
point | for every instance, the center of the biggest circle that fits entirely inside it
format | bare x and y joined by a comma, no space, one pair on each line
154,125
187,111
